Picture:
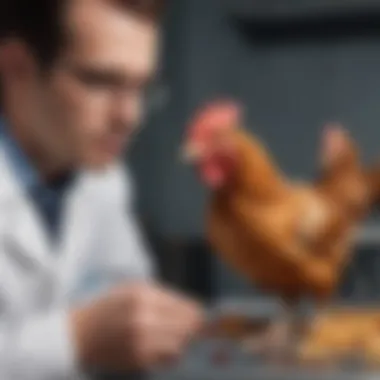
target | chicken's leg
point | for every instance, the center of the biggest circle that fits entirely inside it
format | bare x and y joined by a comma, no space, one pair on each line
280,341
284,335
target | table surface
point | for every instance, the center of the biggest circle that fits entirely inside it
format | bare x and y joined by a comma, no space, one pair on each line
198,365
256,374
199,362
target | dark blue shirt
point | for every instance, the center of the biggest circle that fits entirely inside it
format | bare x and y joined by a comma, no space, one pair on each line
48,197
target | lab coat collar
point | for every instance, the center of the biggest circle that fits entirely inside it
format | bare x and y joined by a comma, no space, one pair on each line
21,224
24,170
23,229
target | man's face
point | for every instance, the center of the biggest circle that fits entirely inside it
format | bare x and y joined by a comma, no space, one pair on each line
93,100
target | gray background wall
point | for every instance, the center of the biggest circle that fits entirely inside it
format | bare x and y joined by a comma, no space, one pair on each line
291,88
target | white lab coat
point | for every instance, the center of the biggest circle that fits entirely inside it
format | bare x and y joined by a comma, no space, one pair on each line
100,242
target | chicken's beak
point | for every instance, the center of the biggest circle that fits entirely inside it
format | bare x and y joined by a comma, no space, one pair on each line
190,153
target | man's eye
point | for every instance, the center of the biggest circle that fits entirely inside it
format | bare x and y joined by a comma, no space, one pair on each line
96,80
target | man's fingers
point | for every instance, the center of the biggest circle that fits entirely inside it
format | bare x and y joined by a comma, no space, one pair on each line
159,323
176,306
159,346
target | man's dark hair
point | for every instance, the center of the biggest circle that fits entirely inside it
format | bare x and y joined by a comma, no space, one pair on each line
40,23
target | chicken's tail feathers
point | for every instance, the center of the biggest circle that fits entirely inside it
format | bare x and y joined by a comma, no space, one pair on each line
337,146
373,180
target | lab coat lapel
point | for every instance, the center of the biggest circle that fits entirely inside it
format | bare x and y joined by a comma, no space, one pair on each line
25,238
77,226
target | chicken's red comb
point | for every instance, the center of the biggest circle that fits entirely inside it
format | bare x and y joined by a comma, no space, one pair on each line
220,111
217,114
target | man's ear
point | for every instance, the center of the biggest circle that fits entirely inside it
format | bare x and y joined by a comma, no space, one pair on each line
334,143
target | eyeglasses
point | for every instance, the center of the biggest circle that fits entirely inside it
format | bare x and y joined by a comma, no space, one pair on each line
156,94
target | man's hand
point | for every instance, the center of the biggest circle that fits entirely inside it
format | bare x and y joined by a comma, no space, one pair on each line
135,327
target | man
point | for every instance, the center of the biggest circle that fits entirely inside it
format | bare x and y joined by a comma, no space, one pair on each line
73,77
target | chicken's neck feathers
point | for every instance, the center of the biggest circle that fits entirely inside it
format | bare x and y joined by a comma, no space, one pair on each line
256,172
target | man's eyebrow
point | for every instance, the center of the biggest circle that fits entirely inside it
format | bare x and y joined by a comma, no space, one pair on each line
111,74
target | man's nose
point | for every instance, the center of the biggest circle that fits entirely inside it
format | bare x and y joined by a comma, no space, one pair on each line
127,110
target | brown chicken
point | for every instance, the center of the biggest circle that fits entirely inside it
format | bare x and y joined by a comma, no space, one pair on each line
289,238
